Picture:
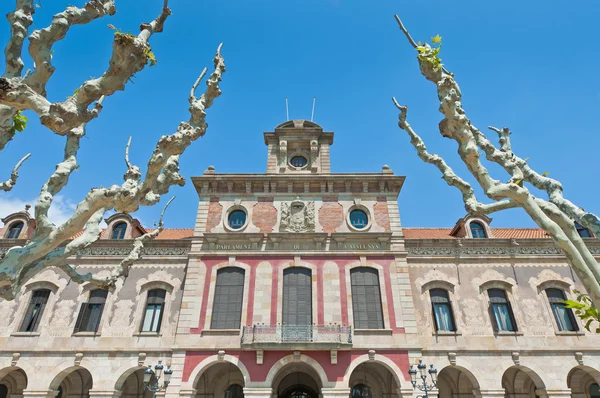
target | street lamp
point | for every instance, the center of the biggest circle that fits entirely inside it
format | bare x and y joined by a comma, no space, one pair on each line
154,387
422,371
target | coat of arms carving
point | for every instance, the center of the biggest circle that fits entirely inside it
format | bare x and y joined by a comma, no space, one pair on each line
297,216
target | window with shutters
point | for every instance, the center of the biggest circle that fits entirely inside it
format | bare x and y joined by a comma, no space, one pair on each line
501,311
119,230
155,306
297,304
229,294
366,298
90,313
442,310
15,230
35,310
565,320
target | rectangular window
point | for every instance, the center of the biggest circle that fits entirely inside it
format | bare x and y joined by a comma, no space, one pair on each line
154,310
501,311
35,310
442,311
229,294
91,312
565,320
366,298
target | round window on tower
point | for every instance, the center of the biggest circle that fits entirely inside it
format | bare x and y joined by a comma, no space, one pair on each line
298,162
359,219
236,219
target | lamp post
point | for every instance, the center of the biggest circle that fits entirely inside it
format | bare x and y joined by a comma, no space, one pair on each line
422,372
154,387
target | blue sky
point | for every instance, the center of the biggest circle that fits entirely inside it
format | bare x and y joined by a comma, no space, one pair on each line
529,65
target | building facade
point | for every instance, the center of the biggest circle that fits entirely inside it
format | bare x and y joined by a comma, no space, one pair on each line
302,283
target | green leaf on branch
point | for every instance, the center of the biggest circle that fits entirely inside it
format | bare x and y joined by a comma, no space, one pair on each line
430,53
150,56
585,310
20,121
436,39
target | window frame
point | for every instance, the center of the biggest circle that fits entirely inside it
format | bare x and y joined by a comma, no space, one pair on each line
236,211
509,309
35,318
217,293
162,301
480,228
85,312
439,302
294,156
579,228
12,227
117,227
231,209
378,303
365,210
555,301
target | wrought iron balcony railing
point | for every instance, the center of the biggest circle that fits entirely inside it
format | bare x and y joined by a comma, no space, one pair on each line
297,334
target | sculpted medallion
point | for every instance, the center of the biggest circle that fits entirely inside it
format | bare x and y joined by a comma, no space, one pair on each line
297,216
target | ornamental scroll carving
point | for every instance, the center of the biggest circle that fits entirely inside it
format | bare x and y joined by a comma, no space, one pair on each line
283,154
297,216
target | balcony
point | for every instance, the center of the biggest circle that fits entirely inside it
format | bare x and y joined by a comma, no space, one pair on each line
297,336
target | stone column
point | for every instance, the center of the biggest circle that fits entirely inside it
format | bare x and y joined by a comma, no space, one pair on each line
40,393
492,393
548,393
335,392
104,394
257,392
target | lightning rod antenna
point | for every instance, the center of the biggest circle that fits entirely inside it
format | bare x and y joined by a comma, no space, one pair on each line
312,116
287,113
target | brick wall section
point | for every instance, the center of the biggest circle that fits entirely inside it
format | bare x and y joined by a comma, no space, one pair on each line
264,215
215,209
382,217
331,214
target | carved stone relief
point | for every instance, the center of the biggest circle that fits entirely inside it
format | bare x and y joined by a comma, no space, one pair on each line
283,154
533,314
63,319
120,324
548,275
475,320
489,276
297,216
7,309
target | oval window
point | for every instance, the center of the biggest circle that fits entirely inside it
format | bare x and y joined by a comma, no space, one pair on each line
298,161
237,219
359,219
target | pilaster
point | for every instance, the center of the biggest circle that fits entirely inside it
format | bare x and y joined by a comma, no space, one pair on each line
335,392
257,392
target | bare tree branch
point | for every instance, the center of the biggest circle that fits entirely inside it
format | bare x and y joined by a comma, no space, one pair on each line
41,41
130,55
46,246
457,126
19,20
10,183
472,205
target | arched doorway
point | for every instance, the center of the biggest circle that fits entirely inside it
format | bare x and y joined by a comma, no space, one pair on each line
298,385
222,379
13,381
74,382
454,382
584,382
521,381
375,378
133,386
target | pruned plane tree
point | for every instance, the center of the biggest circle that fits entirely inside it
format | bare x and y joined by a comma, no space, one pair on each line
556,215
25,91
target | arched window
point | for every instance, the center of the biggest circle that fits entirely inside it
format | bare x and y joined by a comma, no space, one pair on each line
229,294
119,231
234,391
155,307
594,390
237,219
477,230
35,310
501,311
565,320
583,231
15,230
90,313
359,219
366,298
361,391
442,310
